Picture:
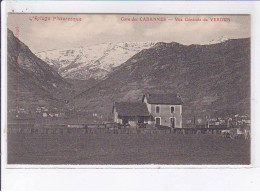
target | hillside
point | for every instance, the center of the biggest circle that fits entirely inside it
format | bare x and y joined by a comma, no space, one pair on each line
213,80
30,80
93,61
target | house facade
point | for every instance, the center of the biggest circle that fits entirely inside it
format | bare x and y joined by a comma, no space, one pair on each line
165,109
155,109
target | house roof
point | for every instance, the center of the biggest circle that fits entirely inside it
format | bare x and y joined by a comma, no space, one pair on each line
131,109
165,98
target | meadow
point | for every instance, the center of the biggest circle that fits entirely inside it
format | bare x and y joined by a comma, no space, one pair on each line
118,149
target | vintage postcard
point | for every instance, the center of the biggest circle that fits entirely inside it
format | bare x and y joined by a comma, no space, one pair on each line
128,89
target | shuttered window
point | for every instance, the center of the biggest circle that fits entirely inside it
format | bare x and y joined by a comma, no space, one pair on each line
172,109
157,109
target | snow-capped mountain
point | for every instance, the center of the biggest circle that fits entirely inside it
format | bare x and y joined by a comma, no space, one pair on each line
93,61
219,40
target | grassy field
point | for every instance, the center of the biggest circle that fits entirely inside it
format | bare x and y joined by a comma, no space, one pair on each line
126,149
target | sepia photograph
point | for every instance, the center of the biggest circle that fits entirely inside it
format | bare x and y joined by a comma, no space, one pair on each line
128,89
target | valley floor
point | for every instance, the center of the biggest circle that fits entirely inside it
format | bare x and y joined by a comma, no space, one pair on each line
126,149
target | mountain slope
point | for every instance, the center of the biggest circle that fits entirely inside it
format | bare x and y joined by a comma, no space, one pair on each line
213,80
30,79
93,61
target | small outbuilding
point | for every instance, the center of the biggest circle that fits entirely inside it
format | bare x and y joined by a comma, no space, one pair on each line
130,113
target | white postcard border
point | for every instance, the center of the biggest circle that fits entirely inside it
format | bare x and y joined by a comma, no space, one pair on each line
9,171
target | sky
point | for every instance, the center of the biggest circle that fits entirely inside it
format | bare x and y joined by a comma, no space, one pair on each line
91,29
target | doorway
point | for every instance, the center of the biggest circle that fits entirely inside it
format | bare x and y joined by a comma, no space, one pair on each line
172,122
158,121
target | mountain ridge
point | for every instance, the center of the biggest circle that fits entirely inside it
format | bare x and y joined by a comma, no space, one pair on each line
30,79
210,78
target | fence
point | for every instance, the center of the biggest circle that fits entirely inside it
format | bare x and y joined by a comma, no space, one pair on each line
83,129
109,128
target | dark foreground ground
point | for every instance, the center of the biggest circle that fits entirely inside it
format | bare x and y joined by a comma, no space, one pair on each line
126,149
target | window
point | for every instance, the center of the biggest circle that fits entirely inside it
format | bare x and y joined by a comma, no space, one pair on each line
157,109
172,109
158,121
